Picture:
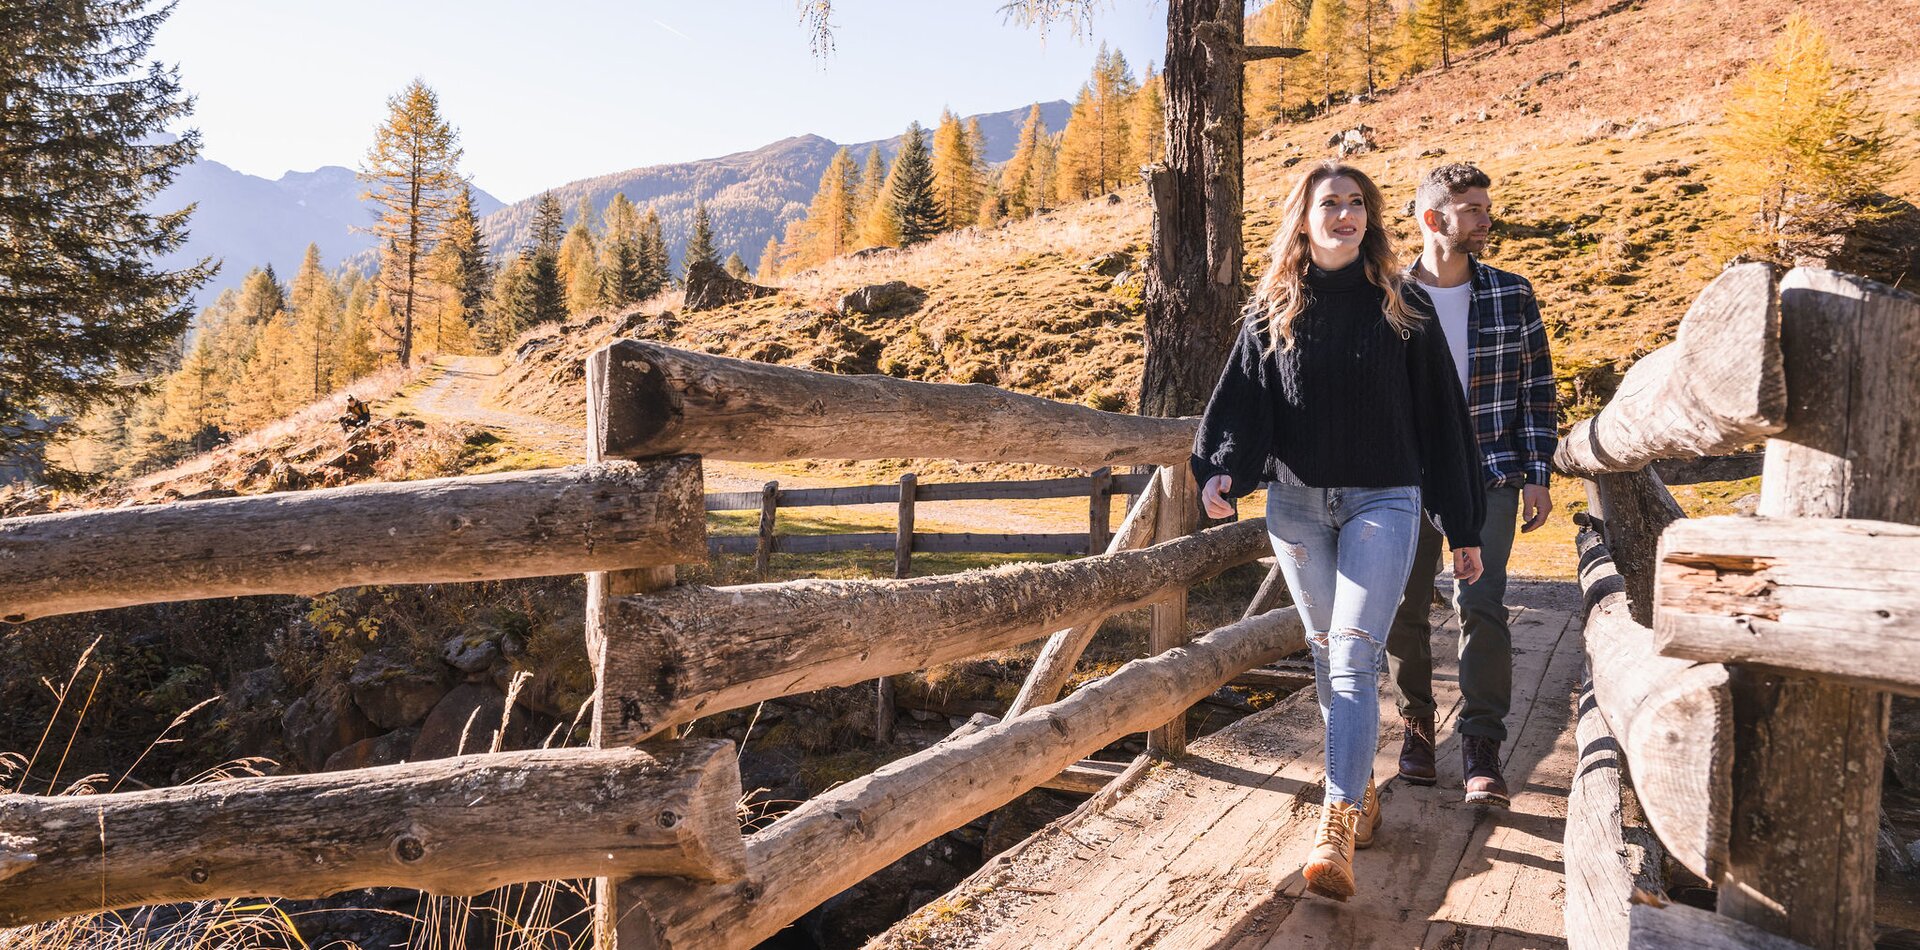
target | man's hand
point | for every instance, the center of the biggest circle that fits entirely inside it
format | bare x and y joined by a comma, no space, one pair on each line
1212,496
1466,565
1536,502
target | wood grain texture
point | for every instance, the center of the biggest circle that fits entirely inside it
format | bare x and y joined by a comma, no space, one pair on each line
1838,598
691,651
455,826
442,530
1679,927
1599,883
683,402
1666,407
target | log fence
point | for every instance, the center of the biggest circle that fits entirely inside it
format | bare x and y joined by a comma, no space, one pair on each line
1740,666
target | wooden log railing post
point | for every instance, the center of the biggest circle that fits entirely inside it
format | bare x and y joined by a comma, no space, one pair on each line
903,528
1634,509
1099,509
763,548
1809,753
1054,666
1178,515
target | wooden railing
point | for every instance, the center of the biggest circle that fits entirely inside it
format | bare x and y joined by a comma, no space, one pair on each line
1740,666
651,817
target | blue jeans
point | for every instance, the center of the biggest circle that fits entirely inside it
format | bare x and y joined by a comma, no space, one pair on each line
1345,553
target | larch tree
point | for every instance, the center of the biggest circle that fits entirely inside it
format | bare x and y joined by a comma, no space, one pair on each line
827,229
873,181
1113,92
261,297
412,176
1077,163
1149,120
1329,25
768,270
85,312
955,172
316,311
463,267
1018,187
1274,85
920,213
700,247
1373,23
735,266
880,226
983,177
622,256
579,264
1448,27
1800,151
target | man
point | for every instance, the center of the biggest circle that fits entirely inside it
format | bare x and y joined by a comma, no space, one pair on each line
1492,324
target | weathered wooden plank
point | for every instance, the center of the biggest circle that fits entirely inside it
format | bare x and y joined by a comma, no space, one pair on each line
1267,678
684,402
769,515
1599,884
903,526
1838,598
1679,927
1666,408
848,832
1064,543
510,524
1673,717
1086,776
1178,515
691,651
1809,755
1713,468
934,491
1054,666
931,543
450,826
1100,510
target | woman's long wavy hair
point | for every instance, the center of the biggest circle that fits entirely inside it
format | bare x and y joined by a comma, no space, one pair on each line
1282,292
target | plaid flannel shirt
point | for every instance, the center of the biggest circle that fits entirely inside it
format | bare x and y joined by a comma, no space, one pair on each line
1510,387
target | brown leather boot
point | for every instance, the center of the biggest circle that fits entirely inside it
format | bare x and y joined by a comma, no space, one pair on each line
1369,818
1480,764
1416,750
1329,867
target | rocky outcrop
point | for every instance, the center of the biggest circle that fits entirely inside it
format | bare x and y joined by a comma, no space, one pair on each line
890,297
323,722
710,286
394,692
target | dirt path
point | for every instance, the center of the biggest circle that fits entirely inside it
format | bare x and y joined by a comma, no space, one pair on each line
461,388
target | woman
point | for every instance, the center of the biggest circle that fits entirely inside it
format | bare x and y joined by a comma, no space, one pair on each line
1342,395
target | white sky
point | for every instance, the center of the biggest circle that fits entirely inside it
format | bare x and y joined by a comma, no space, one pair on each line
551,91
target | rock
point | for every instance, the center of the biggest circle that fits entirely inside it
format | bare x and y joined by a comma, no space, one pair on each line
321,723
850,917
881,298
251,710
473,710
1355,141
470,653
1433,153
389,749
874,251
1113,197
393,692
710,286
1290,161
1110,263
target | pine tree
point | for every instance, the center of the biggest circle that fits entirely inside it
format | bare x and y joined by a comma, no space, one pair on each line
1800,150
549,224
653,243
84,312
545,300
1019,189
412,172
510,304
579,266
1328,26
735,266
622,255
921,216
955,172
465,269
700,247
1149,120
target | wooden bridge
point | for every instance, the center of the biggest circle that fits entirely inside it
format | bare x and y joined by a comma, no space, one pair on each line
1744,691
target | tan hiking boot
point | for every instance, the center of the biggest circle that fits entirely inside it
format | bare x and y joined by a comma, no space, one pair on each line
1329,868
1369,819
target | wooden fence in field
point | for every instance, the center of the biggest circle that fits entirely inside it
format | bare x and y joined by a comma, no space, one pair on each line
1740,666
651,817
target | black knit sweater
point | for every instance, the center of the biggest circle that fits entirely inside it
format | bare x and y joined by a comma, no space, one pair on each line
1352,404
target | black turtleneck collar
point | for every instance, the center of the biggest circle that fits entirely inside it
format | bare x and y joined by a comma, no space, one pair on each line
1351,277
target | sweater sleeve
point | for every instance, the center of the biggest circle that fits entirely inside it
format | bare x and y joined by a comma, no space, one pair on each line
1236,432
1449,454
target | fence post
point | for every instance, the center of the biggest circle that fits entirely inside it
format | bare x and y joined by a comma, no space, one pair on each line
763,550
903,532
1807,754
1177,516
1099,510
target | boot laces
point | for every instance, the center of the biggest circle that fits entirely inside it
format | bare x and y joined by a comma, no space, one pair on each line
1337,826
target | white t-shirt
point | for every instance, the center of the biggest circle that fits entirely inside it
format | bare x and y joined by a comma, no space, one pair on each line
1451,304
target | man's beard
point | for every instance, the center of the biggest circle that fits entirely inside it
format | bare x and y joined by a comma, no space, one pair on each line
1465,243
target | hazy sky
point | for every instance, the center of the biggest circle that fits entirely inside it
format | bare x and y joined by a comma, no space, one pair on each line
548,91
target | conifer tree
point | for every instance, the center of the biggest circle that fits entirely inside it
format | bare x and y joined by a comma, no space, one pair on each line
1076,168
353,352
261,297
579,266
1373,22
622,257
412,176
735,266
955,172
1020,191
464,270
1447,27
1800,150
873,179
769,268
1273,85
700,243
84,311
315,308
1328,26
545,297
653,243
827,230
921,216
510,304
1149,120
1113,91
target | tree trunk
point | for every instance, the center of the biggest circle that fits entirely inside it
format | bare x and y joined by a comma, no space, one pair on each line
1193,289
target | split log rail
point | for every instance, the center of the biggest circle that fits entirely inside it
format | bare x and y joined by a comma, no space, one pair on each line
1740,666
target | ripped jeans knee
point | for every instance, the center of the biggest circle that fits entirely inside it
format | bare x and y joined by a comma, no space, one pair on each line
1322,639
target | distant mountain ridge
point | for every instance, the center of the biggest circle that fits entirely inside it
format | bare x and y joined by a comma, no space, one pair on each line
750,195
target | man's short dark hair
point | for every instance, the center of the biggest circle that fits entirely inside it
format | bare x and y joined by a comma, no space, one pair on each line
1448,180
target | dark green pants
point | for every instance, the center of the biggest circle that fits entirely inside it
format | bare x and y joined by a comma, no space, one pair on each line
1486,645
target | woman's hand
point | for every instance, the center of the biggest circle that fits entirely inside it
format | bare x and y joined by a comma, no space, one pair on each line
1466,565
1213,496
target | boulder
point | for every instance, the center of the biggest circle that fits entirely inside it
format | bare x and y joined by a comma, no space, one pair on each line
1110,263
395,692
251,710
1354,141
470,653
389,749
874,251
881,298
471,710
710,286
321,723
